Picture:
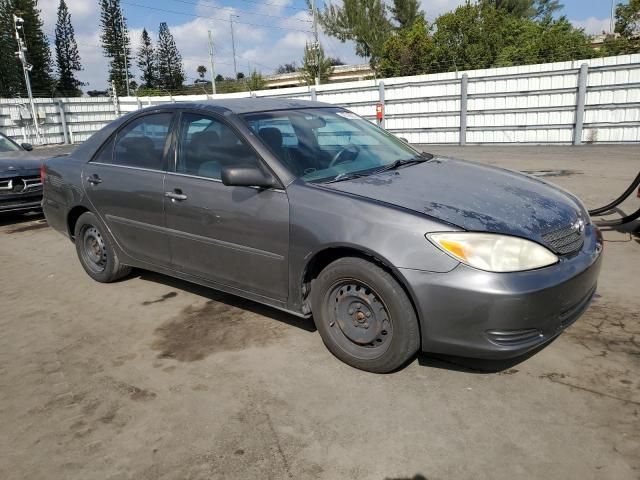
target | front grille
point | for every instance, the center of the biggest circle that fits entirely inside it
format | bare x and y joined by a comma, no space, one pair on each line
18,185
566,240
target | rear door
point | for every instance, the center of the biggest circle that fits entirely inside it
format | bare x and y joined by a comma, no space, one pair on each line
125,184
237,236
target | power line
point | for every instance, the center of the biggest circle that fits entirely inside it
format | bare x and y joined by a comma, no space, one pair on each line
232,10
193,15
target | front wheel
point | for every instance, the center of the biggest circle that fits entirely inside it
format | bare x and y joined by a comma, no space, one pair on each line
364,316
96,254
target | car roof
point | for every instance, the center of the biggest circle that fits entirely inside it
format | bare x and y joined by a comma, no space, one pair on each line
249,105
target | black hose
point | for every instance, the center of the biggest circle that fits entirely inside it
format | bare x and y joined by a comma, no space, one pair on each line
618,201
619,221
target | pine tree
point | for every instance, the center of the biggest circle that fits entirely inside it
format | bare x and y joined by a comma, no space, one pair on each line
315,63
115,43
363,21
67,57
147,61
170,71
38,54
406,12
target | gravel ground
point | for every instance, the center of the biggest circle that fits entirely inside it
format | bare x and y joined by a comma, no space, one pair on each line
155,378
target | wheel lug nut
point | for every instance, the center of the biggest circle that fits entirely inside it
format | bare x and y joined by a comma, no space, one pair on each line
368,314
366,325
351,310
358,305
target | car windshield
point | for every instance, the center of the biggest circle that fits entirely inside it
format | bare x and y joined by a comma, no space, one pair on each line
329,144
7,145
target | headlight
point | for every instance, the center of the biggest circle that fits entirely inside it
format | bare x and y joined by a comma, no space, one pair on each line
494,253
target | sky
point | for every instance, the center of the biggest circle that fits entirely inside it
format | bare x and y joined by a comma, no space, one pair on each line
267,33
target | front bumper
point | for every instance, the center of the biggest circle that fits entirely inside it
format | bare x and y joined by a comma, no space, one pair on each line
472,313
20,203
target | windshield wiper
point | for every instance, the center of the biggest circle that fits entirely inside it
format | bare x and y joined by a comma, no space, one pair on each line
346,176
422,157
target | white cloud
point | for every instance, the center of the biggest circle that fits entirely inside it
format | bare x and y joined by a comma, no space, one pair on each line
593,25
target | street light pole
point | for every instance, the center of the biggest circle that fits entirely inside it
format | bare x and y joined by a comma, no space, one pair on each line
213,80
18,24
316,44
233,46
124,51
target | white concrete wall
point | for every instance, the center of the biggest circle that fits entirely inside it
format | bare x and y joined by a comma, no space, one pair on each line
524,104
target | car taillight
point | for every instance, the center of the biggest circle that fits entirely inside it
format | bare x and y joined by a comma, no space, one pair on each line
42,174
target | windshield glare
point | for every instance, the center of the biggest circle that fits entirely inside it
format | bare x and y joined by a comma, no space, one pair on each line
320,144
7,145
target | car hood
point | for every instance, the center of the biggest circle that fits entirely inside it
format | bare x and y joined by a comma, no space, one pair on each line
472,196
20,162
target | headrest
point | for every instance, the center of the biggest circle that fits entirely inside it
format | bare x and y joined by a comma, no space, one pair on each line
272,136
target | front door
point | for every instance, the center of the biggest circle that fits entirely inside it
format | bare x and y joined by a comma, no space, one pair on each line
125,184
237,236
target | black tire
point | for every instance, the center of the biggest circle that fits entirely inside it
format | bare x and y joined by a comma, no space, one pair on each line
364,316
95,250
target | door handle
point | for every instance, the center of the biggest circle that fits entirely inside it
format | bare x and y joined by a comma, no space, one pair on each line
94,179
175,196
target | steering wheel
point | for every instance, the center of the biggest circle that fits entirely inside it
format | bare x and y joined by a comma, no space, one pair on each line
348,153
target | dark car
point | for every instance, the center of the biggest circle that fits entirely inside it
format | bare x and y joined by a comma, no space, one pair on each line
20,185
311,209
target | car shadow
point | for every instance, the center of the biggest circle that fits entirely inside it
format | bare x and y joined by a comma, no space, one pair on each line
477,365
228,299
17,218
445,362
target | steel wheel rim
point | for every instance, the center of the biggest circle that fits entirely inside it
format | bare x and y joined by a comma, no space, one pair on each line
359,320
93,249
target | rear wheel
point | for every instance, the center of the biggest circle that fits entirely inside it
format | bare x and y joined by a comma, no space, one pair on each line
364,316
95,251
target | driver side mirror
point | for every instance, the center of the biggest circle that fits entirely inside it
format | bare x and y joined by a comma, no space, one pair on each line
247,177
27,146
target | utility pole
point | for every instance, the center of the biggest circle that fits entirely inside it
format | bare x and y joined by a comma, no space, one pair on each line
316,44
213,80
124,51
233,46
18,24
612,13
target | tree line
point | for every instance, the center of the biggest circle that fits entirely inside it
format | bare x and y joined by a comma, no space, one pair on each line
398,40
393,34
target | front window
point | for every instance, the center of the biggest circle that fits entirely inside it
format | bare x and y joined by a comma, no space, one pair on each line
7,145
323,144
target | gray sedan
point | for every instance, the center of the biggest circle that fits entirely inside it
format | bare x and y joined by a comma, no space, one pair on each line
311,209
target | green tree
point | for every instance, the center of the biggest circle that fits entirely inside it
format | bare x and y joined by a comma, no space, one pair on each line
170,70
410,52
365,22
627,38
239,76
202,70
67,57
518,8
38,54
255,81
219,78
147,61
287,68
544,9
406,12
315,62
547,41
115,43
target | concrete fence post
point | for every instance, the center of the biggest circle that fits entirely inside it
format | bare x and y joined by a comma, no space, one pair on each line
464,86
313,95
138,102
580,101
63,120
381,101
